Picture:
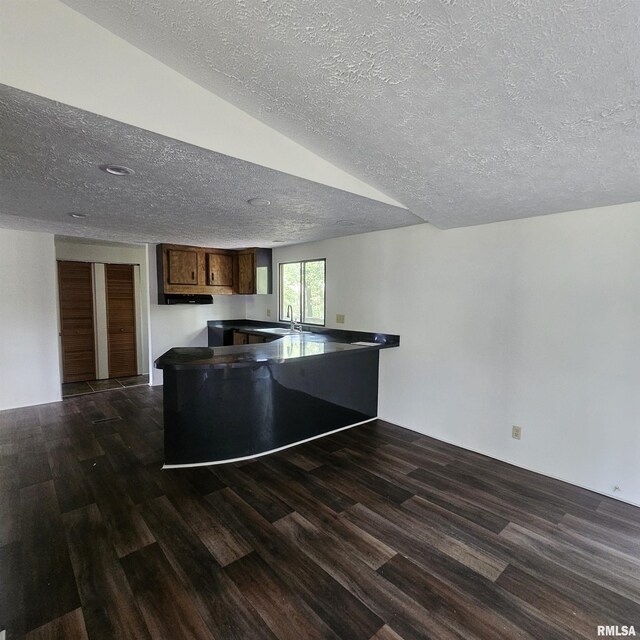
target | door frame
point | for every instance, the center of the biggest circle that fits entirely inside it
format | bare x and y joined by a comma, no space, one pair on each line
100,319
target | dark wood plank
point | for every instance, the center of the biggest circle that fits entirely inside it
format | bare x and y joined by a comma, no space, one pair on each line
71,486
284,611
510,507
386,633
109,608
410,537
506,472
48,581
67,627
387,490
620,511
11,593
367,548
134,441
223,542
596,568
265,503
140,484
622,536
221,604
388,602
127,530
9,500
119,454
202,480
166,605
555,605
33,466
472,615
380,459
344,614
335,500
449,501
300,460
382,429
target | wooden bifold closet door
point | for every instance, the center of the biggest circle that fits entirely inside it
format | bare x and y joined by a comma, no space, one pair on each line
75,287
121,320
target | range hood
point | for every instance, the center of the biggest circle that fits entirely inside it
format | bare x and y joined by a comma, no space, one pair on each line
185,298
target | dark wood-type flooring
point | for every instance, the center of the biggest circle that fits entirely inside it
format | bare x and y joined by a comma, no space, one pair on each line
375,532
93,386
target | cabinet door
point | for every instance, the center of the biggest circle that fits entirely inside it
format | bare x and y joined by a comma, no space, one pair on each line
183,266
75,285
121,320
246,273
254,339
219,270
239,337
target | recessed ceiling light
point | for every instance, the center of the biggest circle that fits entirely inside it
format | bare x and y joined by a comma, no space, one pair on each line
78,215
116,169
259,202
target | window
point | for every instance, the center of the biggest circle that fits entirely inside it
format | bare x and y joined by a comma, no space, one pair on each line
302,287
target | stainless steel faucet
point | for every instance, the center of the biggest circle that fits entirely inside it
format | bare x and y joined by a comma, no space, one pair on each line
290,316
294,326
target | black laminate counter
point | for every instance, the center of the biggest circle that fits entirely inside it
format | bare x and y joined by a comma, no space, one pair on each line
289,347
228,403
220,333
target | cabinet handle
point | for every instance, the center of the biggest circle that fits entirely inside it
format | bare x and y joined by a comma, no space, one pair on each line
193,275
212,278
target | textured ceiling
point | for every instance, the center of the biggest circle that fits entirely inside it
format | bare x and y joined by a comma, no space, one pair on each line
49,167
465,111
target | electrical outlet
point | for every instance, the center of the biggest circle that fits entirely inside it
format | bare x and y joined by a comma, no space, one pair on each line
268,313
339,318
516,432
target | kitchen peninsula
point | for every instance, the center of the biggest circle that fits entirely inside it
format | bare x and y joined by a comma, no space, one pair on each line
230,402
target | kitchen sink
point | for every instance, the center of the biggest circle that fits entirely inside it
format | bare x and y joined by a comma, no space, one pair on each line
281,331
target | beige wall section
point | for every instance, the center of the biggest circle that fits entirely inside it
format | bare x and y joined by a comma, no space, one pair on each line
29,353
113,253
100,321
532,322
50,50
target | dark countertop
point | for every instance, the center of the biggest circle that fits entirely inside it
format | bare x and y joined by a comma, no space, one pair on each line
280,350
385,340
321,342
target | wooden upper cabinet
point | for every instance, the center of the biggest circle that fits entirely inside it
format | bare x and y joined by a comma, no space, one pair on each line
246,273
187,271
254,271
219,270
183,266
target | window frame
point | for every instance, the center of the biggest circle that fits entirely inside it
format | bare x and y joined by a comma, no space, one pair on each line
302,290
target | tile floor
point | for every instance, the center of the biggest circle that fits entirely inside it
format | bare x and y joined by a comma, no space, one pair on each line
93,386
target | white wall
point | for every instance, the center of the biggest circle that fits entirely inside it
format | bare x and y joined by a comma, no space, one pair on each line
183,325
29,366
113,253
53,51
533,322
29,342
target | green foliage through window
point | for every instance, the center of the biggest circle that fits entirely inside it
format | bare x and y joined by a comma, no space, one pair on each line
302,286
